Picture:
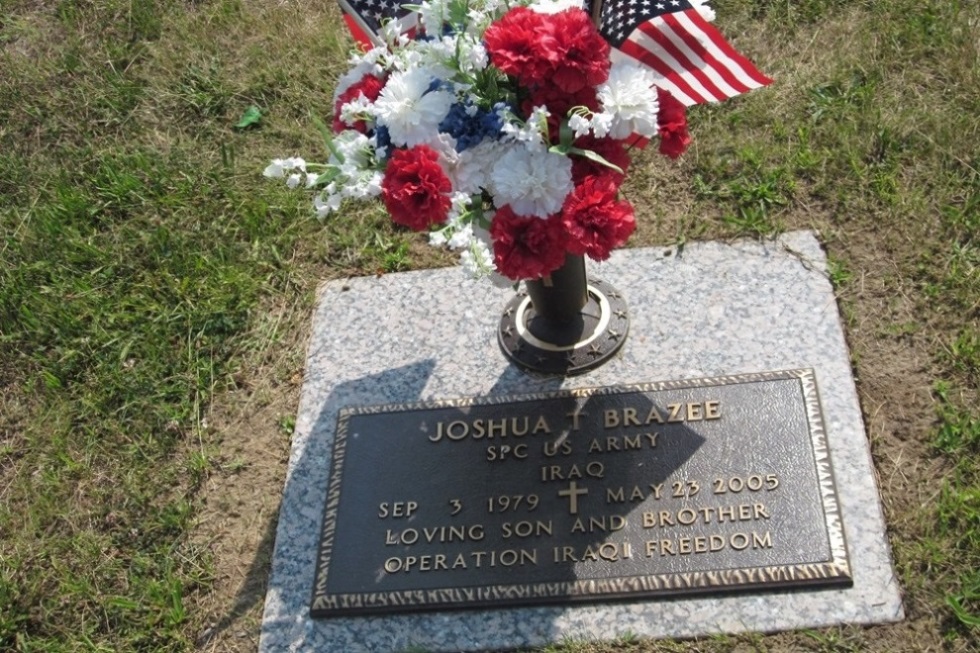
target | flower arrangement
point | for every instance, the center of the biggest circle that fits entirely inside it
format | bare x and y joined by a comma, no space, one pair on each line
504,130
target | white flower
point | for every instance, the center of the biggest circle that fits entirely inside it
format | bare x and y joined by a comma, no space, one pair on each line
579,124
280,167
533,132
459,204
356,109
295,163
472,55
325,203
630,97
462,238
361,65
433,13
533,182
477,259
274,170
409,109
311,178
554,6
472,167
702,7
601,124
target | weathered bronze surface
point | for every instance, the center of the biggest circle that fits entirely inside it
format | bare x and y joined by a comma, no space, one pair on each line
660,489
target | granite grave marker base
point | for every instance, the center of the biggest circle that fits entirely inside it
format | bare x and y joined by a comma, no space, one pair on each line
706,310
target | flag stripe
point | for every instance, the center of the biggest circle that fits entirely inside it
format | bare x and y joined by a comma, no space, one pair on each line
725,52
664,74
688,57
702,56
687,62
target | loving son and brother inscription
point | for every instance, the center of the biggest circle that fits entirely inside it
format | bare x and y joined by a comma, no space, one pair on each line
659,489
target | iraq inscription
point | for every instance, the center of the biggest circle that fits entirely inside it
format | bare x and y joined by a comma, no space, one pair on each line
657,489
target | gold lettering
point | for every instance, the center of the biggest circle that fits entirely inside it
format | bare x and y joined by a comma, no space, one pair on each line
525,529
397,509
712,410
629,417
654,416
541,426
675,413
499,427
552,448
611,418
686,516
694,413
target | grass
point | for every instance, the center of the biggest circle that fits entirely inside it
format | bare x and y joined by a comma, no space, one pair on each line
139,248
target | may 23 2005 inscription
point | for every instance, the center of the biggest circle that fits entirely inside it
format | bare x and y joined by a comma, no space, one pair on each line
658,489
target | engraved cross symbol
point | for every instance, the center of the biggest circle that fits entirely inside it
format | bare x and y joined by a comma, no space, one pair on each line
573,493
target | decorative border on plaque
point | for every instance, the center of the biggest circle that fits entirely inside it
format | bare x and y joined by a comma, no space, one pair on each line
835,570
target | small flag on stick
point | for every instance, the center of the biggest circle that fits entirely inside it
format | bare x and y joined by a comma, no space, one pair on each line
364,18
689,58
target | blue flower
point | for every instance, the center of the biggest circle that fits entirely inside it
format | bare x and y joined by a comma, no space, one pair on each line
469,125
382,139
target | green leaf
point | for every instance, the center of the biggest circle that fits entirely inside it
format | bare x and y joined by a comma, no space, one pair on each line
252,116
327,177
328,139
565,134
592,156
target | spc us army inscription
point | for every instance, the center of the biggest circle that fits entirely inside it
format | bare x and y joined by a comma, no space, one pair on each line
658,489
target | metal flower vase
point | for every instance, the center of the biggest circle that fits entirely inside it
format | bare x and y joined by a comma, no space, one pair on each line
564,323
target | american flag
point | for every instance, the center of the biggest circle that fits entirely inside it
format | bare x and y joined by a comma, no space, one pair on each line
688,57
364,18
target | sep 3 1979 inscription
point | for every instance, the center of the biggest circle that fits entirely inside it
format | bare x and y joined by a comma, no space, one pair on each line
659,489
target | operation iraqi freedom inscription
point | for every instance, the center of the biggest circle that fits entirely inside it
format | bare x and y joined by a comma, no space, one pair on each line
659,489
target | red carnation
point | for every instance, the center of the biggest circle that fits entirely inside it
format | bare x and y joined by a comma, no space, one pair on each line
672,123
611,150
415,190
370,87
582,56
526,248
595,222
521,45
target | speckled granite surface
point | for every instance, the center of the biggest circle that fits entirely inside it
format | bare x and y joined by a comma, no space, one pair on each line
710,309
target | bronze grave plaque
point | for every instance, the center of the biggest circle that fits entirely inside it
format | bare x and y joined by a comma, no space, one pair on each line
650,490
